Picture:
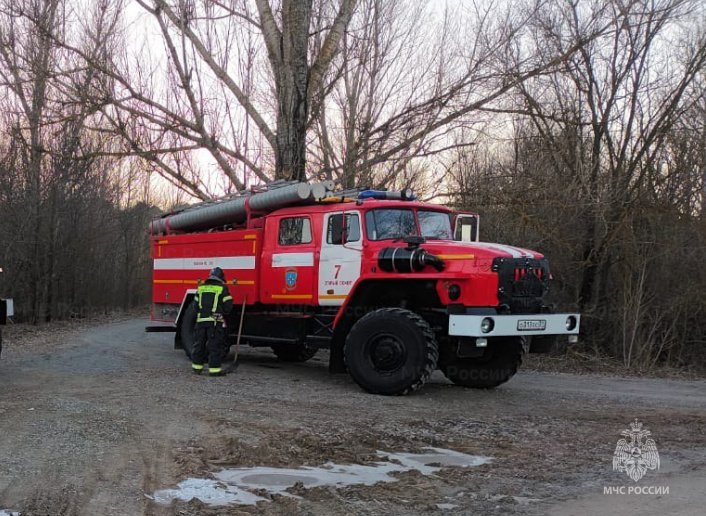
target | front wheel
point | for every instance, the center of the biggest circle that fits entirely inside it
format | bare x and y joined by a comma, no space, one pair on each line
498,364
391,351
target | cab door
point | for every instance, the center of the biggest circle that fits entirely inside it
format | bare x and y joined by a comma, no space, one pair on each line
340,256
289,273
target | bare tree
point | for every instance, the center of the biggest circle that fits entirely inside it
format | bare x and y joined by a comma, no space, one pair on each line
191,32
297,82
622,106
384,90
595,176
57,193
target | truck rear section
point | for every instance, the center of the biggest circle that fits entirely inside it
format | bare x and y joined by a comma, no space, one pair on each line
394,287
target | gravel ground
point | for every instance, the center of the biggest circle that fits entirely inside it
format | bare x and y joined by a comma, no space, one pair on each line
95,419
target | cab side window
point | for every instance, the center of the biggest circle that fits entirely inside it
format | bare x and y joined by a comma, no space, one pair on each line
341,230
295,231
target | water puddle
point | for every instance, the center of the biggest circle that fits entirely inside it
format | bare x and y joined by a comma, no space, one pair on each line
235,485
208,491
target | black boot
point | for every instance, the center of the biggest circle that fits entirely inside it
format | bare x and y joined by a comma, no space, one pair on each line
216,371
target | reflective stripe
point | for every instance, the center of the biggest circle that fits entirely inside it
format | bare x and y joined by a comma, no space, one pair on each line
216,290
216,295
215,369
227,298
197,367
205,319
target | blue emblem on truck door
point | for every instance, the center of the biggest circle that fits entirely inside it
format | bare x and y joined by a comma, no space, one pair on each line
290,278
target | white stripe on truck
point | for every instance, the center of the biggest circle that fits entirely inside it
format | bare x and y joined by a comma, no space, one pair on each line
224,262
293,260
515,252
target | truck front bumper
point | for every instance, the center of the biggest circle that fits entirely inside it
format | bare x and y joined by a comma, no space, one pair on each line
461,325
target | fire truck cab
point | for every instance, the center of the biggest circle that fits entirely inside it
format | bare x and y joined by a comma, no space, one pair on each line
396,288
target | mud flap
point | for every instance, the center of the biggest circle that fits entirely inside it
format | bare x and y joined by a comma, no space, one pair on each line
336,363
466,348
543,344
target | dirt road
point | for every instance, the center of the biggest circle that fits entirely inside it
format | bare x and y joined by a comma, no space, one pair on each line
95,421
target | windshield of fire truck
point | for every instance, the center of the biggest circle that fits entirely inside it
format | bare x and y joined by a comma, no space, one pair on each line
384,224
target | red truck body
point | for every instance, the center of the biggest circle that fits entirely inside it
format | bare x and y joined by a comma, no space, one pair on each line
247,258
306,275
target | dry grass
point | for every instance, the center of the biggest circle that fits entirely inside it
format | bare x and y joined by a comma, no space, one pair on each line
581,362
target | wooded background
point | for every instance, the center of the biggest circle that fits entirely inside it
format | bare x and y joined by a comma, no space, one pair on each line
577,128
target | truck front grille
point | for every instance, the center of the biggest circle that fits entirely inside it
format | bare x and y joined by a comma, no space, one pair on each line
522,283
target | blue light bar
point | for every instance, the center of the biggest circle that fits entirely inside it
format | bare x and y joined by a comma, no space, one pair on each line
382,195
372,194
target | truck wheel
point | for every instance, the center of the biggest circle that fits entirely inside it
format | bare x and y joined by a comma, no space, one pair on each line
186,330
391,351
499,363
294,352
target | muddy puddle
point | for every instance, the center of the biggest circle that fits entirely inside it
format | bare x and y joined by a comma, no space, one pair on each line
236,485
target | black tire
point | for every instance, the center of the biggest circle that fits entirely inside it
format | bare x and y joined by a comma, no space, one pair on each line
187,329
294,352
499,363
391,351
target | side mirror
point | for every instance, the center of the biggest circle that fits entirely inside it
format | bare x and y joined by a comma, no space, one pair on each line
466,228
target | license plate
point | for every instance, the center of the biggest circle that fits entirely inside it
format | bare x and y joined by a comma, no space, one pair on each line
532,325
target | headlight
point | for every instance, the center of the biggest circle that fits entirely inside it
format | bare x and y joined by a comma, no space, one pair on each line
454,292
487,325
570,323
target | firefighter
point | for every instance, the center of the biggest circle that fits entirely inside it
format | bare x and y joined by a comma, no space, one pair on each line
214,303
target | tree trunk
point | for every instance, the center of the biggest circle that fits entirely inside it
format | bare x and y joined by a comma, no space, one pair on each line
292,83
290,160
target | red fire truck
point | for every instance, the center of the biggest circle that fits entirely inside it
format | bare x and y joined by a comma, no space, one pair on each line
396,288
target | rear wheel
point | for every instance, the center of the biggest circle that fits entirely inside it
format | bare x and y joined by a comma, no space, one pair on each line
187,330
498,364
294,352
391,351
